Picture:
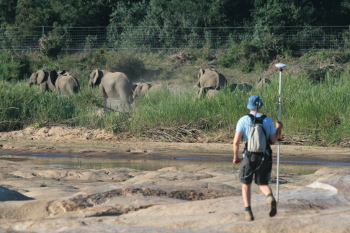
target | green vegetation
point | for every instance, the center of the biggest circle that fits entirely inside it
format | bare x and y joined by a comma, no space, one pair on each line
314,109
62,26
166,14
315,84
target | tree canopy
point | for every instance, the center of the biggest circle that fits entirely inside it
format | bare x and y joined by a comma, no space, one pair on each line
177,13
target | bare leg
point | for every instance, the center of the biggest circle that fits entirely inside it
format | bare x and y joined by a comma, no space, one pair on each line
271,202
265,189
246,194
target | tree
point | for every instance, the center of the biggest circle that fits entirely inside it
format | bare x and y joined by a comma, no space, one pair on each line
62,13
281,13
300,13
7,12
128,13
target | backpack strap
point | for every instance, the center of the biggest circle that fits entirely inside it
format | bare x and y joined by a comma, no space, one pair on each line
257,119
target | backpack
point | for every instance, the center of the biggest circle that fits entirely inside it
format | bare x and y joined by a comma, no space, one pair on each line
257,140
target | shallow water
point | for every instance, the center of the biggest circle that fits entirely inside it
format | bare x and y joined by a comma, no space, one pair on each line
154,163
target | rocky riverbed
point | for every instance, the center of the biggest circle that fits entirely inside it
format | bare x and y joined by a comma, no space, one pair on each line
189,198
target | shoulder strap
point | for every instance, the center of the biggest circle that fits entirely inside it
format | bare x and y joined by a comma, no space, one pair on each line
257,119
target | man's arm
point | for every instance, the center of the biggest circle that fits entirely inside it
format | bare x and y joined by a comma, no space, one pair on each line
236,142
274,137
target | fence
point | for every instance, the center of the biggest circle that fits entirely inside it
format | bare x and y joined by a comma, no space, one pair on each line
87,38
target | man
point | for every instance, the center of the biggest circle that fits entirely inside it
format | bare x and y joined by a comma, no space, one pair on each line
257,164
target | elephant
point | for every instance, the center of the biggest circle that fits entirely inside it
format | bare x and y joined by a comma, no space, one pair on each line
65,83
241,86
42,78
262,82
212,93
209,79
140,89
115,88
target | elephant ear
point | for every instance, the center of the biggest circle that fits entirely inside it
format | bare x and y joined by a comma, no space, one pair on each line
96,76
134,86
40,76
201,72
53,77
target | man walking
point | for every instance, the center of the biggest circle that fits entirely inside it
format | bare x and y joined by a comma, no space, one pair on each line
255,164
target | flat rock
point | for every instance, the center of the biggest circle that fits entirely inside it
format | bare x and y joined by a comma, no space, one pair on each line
172,199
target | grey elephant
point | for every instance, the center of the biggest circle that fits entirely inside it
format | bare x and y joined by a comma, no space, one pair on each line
210,79
42,78
140,89
55,81
115,87
209,93
241,86
212,93
263,82
64,82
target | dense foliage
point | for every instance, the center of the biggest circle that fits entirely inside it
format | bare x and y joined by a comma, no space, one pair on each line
180,13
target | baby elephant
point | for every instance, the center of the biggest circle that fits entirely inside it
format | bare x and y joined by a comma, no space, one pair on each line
140,89
41,78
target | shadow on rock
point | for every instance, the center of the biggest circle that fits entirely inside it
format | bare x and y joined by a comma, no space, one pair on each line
10,195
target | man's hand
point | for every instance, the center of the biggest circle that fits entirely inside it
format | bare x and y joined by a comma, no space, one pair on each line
236,160
279,125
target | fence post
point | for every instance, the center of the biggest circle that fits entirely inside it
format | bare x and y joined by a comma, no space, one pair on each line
42,31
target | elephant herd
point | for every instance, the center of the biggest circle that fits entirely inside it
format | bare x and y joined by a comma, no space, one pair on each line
116,88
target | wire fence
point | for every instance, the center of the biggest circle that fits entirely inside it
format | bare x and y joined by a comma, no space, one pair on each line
89,38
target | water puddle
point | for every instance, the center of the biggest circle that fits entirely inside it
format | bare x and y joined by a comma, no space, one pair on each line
153,163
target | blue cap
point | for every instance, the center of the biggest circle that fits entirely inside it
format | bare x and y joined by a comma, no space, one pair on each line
254,102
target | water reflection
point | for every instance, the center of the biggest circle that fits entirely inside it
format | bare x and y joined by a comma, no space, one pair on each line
139,164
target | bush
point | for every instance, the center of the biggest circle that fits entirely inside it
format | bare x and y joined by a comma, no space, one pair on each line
319,74
51,45
261,51
10,68
125,62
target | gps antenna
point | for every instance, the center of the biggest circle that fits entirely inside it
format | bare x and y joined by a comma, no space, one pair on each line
280,67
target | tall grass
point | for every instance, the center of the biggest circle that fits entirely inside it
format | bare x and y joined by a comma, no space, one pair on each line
317,111
22,105
164,109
